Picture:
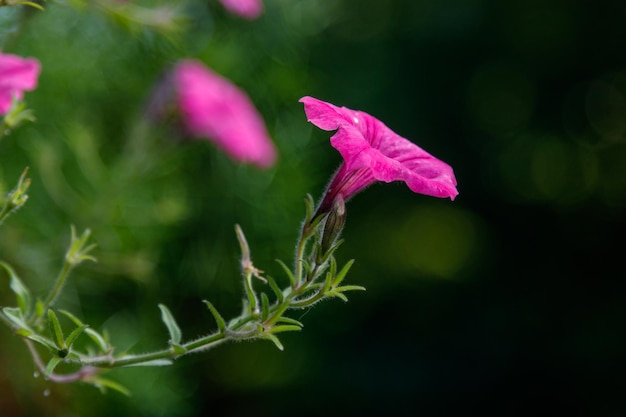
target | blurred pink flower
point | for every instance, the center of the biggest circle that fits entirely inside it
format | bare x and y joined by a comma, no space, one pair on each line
212,107
17,75
248,9
373,152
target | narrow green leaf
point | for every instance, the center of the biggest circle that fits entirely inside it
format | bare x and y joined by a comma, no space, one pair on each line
103,383
221,324
330,251
274,340
277,291
98,339
52,364
265,306
74,335
332,268
289,320
285,328
72,317
14,314
42,341
175,333
338,295
55,329
350,288
21,292
292,279
342,274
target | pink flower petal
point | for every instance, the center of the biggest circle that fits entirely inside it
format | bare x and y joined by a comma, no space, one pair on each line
373,152
212,107
248,9
17,75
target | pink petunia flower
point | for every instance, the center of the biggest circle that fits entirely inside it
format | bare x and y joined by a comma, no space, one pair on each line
17,75
373,152
248,9
212,107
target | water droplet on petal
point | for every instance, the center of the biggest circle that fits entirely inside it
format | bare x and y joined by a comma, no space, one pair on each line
356,119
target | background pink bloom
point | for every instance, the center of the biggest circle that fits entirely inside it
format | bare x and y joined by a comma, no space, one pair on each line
212,107
373,152
249,9
17,75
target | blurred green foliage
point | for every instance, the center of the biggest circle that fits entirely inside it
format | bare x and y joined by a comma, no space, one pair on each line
509,298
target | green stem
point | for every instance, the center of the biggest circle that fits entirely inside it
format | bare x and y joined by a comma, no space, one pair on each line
60,281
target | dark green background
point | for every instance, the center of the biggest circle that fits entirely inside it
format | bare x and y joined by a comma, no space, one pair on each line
508,301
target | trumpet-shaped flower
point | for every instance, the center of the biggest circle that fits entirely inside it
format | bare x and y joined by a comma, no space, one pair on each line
212,107
248,9
17,75
373,152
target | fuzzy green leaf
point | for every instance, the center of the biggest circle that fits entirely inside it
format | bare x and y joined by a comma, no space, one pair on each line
173,329
14,314
289,320
277,291
53,364
98,339
21,292
349,288
292,279
342,274
274,340
338,295
103,384
42,341
74,335
265,306
55,330
221,324
285,328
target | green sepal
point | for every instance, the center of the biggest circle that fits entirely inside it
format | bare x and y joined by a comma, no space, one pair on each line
309,205
55,330
221,324
21,292
52,364
173,329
